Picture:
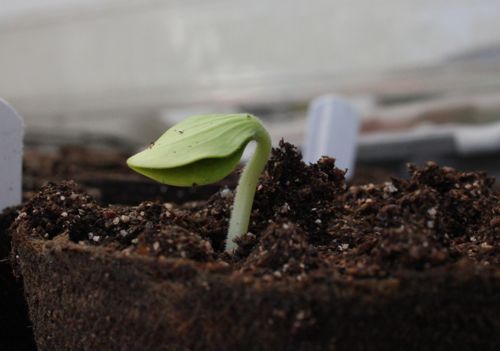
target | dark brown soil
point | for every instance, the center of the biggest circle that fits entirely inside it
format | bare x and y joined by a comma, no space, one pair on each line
436,217
410,264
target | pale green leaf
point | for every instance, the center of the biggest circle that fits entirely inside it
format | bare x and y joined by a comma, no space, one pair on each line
199,150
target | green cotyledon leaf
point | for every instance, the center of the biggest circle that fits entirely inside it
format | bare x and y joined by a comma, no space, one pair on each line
197,151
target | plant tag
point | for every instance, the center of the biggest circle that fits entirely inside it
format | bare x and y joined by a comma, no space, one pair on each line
332,130
11,151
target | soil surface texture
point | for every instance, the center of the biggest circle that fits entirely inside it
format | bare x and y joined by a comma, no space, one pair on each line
304,218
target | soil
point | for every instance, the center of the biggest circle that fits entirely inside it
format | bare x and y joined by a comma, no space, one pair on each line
436,217
323,266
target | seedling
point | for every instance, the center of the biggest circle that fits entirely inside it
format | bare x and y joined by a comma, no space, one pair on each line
204,149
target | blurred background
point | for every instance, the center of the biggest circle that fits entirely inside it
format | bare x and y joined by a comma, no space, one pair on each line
423,76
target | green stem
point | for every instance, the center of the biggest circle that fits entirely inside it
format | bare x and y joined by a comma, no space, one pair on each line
245,191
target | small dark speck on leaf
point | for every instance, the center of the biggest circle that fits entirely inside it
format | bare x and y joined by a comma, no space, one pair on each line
151,145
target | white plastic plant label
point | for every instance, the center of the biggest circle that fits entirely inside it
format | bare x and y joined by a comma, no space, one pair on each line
11,151
332,130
